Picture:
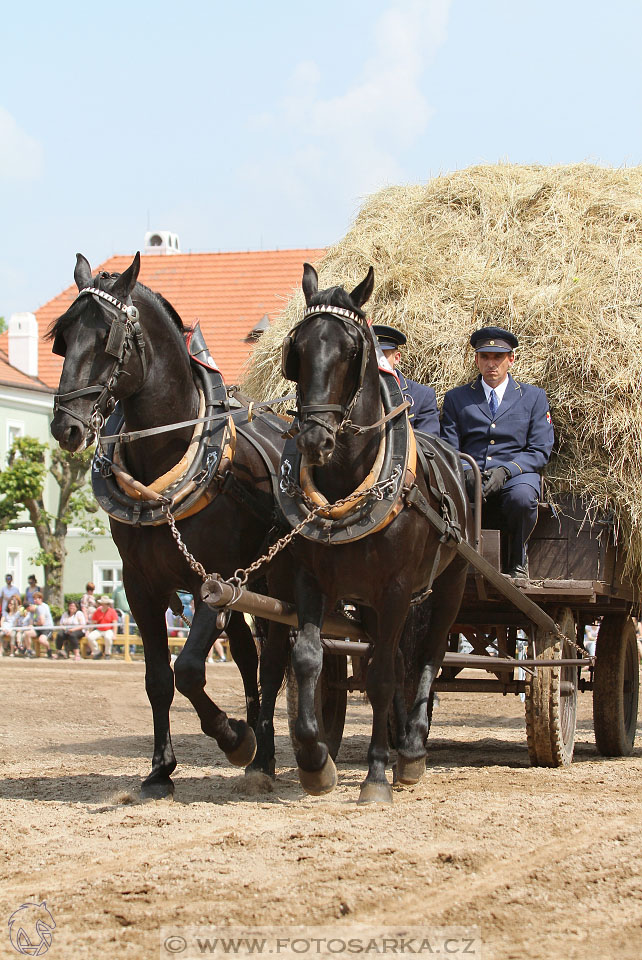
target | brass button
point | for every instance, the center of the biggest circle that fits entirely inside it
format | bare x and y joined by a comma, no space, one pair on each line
493,425
492,441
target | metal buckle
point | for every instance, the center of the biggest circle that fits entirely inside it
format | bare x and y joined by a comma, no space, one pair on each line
102,465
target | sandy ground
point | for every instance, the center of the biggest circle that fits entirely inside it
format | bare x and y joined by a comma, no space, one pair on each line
545,862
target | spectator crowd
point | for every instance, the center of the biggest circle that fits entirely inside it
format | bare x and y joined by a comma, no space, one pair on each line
26,620
87,627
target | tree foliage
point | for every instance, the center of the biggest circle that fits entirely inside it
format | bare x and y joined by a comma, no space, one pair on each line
22,489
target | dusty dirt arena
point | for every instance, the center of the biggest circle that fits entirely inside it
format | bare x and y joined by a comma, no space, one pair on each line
545,862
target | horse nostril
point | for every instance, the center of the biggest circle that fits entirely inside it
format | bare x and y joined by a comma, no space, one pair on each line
69,438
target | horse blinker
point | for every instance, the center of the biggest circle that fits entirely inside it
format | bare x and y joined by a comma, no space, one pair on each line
289,366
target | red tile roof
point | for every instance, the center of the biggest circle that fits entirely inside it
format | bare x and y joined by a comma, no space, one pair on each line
228,292
12,377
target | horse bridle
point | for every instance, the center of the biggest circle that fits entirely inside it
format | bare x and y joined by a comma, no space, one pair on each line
307,413
125,335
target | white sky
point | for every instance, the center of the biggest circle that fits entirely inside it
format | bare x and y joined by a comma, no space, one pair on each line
259,125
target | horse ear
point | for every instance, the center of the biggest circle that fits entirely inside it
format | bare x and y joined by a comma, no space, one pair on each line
82,272
127,280
361,293
310,282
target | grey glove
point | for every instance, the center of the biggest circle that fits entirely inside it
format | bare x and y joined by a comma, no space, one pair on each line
494,480
469,480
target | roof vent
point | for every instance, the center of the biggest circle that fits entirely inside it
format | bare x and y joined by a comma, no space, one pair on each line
161,242
260,328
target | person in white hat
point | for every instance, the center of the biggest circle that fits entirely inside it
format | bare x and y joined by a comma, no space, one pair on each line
104,621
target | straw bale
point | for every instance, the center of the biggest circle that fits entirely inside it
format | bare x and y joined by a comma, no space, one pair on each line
553,254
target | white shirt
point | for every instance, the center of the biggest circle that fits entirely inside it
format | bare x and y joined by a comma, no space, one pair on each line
499,391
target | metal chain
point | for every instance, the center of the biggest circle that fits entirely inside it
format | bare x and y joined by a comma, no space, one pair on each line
584,655
241,575
192,561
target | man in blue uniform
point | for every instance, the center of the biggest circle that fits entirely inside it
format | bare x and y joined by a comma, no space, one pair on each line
506,427
423,412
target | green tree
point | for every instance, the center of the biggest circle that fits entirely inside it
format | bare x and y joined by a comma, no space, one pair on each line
22,486
3,324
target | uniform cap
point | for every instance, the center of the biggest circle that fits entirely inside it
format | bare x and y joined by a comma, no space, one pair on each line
389,337
493,340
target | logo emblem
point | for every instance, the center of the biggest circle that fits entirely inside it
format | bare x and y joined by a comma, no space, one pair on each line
30,929
548,416
491,343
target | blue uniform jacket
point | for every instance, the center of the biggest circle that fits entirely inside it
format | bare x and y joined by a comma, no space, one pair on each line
520,437
423,412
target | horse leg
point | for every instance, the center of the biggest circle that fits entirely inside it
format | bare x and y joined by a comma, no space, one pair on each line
399,708
317,772
274,656
243,650
235,738
385,626
159,683
444,605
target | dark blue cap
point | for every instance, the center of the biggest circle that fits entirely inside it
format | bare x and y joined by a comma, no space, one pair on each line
493,340
389,337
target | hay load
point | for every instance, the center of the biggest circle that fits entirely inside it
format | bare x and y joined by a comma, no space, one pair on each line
551,253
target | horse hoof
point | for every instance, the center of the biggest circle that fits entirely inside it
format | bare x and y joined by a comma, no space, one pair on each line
157,789
318,782
375,792
246,750
410,771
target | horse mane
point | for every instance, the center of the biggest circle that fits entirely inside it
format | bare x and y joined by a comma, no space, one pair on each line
335,297
82,303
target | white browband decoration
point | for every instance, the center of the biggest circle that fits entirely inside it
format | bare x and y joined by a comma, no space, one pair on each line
337,311
96,292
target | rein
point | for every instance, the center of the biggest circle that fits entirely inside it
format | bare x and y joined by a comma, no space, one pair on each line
127,437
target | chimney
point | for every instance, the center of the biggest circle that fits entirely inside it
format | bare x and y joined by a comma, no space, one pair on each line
161,242
23,343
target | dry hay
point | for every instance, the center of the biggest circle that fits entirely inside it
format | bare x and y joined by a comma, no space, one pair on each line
552,253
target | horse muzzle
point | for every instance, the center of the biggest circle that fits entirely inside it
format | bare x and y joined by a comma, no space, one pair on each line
70,436
316,444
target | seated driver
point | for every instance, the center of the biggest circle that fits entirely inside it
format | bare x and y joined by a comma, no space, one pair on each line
423,412
505,425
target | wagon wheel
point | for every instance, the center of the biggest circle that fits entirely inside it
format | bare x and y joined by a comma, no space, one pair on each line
330,699
551,697
615,687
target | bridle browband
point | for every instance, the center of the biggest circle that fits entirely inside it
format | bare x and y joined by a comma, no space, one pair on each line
307,413
125,334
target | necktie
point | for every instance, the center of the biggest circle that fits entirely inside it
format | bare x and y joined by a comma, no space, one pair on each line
492,403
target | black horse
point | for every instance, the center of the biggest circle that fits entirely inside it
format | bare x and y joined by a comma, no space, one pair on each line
333,358
122,342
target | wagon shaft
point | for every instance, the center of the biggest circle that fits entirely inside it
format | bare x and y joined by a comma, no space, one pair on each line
218,594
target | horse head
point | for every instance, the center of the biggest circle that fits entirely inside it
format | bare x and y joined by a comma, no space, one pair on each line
104,352
327,355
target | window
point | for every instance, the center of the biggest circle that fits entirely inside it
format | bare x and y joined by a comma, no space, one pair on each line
107,576
15,429
14,567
